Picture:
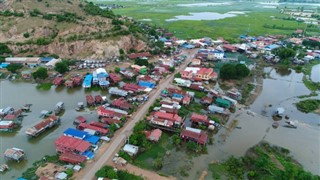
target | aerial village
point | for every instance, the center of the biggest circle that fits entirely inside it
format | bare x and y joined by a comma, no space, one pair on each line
190,106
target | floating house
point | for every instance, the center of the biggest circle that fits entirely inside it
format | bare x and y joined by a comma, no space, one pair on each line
90,100
87,81
59,107
7,126
58,81
74,81
114,78
79,119
14,154
98,99
43,125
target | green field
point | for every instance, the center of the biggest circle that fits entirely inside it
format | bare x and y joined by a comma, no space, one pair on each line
253,21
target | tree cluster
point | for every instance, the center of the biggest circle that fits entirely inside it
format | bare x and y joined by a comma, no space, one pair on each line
40,73
95,10
14,67
234,71
285,53
4,49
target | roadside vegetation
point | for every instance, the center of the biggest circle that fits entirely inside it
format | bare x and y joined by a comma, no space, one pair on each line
110,173
309,105
263,161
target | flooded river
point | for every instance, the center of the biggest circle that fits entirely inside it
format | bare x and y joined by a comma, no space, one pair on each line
315,73
18,94
280,89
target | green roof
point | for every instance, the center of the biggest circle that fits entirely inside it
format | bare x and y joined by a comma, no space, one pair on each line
223,102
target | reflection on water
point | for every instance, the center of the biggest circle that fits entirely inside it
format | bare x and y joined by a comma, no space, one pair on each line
279,91
16,95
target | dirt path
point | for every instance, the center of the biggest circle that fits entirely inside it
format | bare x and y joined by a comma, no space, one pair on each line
106,152
146,174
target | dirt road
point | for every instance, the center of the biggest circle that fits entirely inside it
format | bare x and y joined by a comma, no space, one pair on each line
146,174
119,139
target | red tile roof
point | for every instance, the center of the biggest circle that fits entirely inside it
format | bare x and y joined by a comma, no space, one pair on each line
114,77
167,116
199,118
89,99
58,81
81,119
121,103
95,128
45,122
154,135
132,87
109,120
107,113
200,138
72,144
72,158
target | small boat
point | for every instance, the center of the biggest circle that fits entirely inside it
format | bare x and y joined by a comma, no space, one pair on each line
290,124
59,107
45,113
279,112
80,106
3,168
14,154
26,107
275,125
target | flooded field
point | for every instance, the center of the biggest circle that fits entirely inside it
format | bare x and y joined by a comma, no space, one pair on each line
18,94
206,16
281,89
315,73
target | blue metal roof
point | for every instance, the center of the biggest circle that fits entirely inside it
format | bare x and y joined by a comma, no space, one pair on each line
88,154
146,84
177,95
3,65
87,80
92,139
75,133
46,59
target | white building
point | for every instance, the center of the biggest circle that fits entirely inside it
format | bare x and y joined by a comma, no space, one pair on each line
131,149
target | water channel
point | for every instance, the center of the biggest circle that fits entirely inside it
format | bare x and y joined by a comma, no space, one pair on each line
16,95
279,90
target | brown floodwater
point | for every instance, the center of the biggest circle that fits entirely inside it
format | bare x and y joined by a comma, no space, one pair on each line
280,90
16,94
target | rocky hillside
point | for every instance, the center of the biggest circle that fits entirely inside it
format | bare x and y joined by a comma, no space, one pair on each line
67,28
